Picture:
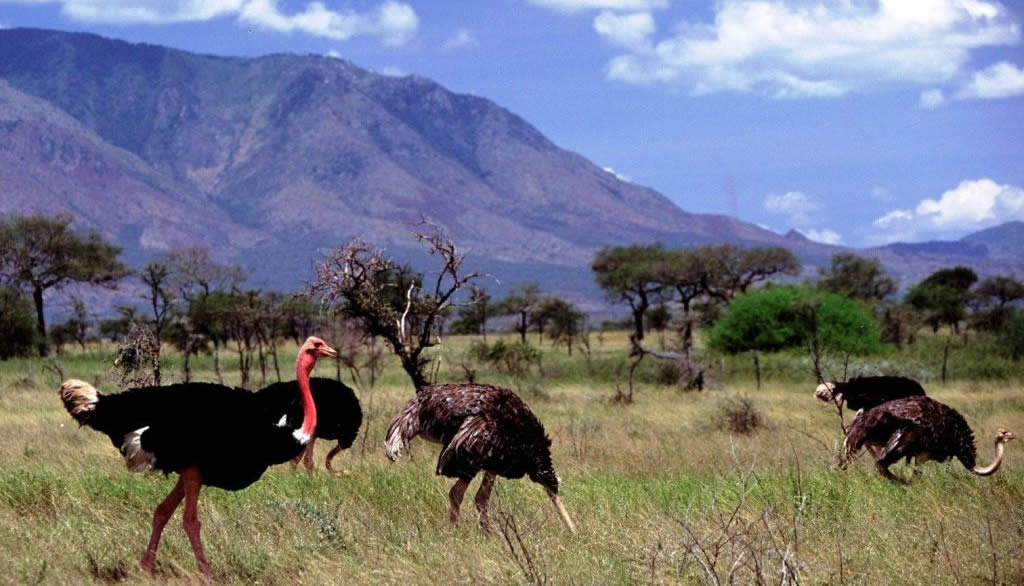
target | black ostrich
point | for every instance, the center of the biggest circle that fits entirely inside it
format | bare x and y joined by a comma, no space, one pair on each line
338,415
479,427
920,429
209,434
868,391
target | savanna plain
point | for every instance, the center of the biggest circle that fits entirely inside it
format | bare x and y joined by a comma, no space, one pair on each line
663,490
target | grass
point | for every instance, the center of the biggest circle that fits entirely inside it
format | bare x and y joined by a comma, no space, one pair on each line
659,492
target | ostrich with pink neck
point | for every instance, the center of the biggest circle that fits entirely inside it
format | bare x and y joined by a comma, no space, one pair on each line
209,434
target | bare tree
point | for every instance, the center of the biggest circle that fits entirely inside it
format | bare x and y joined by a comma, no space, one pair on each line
389,300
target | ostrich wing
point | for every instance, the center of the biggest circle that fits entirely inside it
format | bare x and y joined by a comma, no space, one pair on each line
868,392
472,448
880,426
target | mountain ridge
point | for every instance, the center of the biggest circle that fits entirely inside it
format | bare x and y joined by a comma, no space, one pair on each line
279,156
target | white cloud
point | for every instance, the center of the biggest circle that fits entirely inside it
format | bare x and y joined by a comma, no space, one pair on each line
394,22
796,206
880,193
931,99
628,30
573,6
334,54
973,205
796,49
461,38
1001,80
391,71
823,235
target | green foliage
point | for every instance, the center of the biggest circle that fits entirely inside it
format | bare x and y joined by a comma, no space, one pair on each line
515,358
775,318
1011,335
40,253
856,276
943,296
17,331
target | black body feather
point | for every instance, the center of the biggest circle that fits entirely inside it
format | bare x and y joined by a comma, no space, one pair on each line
338,414
871,391
906,428
226,432
480,427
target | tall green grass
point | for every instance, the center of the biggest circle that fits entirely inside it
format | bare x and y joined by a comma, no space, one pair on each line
651,486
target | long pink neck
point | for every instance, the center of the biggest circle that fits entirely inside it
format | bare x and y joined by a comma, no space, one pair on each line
303,366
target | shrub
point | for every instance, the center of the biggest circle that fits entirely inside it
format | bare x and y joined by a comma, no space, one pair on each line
738,415
776,318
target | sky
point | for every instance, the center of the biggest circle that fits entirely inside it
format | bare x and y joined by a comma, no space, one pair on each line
856,122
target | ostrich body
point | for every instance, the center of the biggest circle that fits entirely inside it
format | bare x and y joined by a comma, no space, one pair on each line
338,414
207,433
919,429
868,391
479,427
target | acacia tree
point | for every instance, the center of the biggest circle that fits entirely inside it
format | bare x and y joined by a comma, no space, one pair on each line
991,300
943,296
521,303
390,300
858,277
474,312
41,253
730,270
630,274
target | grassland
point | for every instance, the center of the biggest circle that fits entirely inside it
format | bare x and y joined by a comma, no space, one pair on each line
660,494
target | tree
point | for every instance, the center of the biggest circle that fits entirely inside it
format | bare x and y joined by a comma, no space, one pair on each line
392,301
943,296
473,313
566,322
630,274
776,318
41,253
157,278
17,328
857,277
521,303
730,271
991,300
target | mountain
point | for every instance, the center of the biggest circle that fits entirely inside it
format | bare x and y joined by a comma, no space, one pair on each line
268,160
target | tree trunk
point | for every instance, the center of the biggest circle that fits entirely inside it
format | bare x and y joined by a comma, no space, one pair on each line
522,327
757,370
37,298
638,321
187,371
216,361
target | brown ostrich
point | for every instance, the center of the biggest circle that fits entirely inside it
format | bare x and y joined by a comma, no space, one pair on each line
209,434
479,427
920,429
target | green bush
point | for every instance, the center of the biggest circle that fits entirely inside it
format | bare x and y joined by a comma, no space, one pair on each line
776,318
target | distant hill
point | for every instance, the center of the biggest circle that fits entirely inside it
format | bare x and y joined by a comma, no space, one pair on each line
268,160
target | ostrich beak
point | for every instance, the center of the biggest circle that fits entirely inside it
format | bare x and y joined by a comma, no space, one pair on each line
328,351
561,511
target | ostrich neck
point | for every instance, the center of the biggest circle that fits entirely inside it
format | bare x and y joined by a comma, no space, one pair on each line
991,468
302,370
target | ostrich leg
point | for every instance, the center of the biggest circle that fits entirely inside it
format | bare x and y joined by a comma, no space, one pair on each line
455,498
884,470
193,482
161,515
483,496
307,456
330,456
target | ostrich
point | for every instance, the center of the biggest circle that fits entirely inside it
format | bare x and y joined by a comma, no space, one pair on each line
209,434
479,427
868,391
918,428
337,409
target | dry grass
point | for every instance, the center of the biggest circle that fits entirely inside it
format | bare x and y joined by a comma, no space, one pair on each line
659,493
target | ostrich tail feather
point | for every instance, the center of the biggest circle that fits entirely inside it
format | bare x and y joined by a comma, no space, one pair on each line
403,427
80,399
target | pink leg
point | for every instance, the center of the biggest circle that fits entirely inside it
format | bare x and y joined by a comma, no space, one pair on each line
193,481
455,499
483,496
330,455
161,515
307,456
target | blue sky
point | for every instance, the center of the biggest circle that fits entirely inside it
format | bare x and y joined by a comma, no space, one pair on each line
857,122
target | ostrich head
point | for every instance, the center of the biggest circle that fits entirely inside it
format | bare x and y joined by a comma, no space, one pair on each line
1004,436
825,391
312,349
543,473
